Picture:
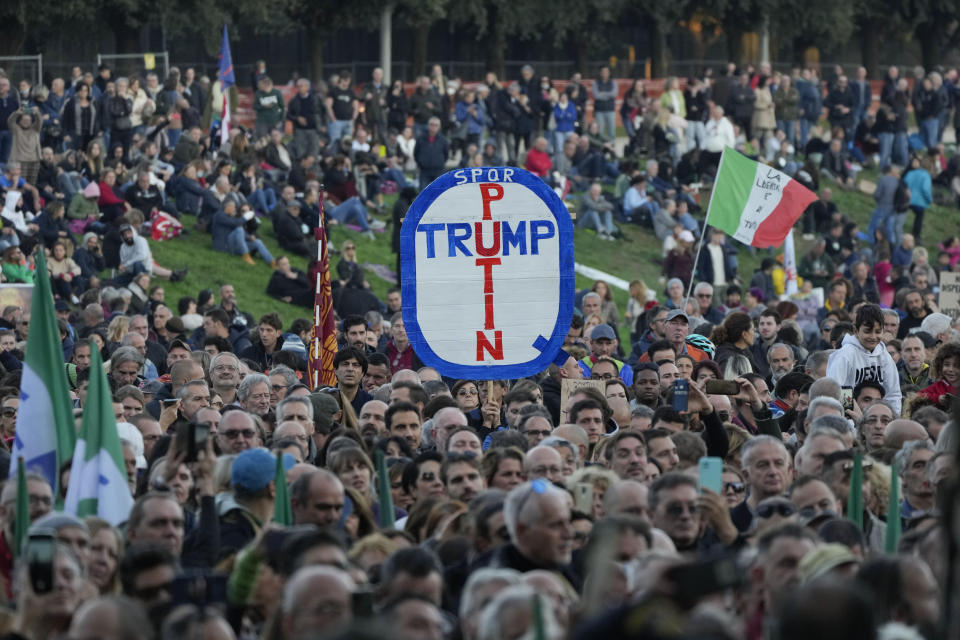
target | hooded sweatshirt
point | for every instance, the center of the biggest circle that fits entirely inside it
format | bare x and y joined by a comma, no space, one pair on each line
852,364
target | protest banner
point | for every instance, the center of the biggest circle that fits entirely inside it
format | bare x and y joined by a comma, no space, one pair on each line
487,264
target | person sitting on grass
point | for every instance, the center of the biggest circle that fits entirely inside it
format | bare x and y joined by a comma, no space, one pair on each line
232,232
290,285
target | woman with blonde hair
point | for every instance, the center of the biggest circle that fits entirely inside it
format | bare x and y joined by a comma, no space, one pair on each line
118,327
608,308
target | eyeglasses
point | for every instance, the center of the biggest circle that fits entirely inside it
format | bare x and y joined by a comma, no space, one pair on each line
40,501
546,471
704,295
9,412
233,435
278,387
783,509
676,509
724,416
225,367
735,487
428,476
538,432
467,392
866,465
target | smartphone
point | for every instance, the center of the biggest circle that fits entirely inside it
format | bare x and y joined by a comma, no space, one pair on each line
41,548
583,497
201,433
698,579
170,402
846,397
199,589
722,387
711,473
681,394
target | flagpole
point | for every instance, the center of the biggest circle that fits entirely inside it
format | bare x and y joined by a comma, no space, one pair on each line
703,230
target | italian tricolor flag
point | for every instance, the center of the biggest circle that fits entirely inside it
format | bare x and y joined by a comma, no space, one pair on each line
755,203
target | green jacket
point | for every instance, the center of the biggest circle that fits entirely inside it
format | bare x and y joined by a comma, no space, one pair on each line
269,107
82,208
18,273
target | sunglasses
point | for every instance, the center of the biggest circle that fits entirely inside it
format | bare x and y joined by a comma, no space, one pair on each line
428,476
233,435
9,412
736,487
461,457
783,509
676,509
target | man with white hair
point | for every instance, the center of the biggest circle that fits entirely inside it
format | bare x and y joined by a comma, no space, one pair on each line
317,600
912,462
430,153
939,326
509,615
537,517
768,471
254,394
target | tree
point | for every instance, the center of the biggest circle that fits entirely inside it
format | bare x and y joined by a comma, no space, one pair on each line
420,15
20,19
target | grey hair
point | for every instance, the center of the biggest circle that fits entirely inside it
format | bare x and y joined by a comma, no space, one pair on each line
641,411
824,401
289,375
885,403
304,400
184,391
702,286
520,595
223,354
481,578
522,498
125,354
777,345
823,431
890,312
936,323
556,442
755,442
247,384
835,423
903,455
592,294
817,359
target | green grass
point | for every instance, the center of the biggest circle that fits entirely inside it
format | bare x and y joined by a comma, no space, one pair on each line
637,255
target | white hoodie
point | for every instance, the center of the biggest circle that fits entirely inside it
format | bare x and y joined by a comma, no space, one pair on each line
851,364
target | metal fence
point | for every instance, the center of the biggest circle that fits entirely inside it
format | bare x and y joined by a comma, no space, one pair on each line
23,68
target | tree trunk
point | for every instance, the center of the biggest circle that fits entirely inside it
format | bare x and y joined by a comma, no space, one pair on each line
317,43
498,44
421,37
870,32
581,54
658,50
929,37
128,40
735,49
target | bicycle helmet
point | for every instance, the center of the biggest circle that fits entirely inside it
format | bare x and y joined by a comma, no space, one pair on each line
701,342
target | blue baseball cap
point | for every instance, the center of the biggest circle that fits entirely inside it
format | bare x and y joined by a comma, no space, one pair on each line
254,469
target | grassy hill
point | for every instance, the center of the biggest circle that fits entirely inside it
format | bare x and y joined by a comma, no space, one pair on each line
633,257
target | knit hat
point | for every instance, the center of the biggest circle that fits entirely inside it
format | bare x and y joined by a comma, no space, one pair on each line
92,190
56,520
89,235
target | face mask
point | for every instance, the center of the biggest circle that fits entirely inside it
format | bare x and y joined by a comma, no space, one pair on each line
128,240
544,86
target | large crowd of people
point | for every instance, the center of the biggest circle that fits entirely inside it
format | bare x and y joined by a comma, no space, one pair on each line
425,507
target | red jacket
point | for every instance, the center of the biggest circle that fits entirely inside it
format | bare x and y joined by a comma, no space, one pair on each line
108,196
937,389
538,162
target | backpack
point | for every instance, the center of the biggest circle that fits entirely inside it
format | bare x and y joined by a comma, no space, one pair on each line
901,197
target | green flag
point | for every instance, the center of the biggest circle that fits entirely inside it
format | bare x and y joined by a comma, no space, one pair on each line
22,523
98,478
387,519
855,497
539,626
282,511
45,434
893,512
